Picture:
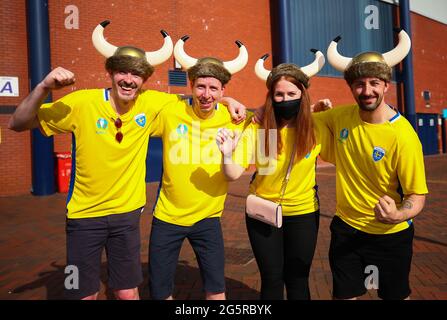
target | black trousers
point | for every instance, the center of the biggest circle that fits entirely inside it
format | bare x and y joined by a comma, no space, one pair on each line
284,256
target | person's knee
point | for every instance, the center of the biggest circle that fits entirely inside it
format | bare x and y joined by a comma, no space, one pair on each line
273,277
127,294
215,296
91,297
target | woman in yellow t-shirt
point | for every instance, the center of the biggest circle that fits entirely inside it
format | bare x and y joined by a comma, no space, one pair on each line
284,255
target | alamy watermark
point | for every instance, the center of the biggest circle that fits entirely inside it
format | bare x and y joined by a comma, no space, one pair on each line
192,145
372,20
372,280
72,18
72,279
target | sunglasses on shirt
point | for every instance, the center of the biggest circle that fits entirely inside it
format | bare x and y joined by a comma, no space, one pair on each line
118,124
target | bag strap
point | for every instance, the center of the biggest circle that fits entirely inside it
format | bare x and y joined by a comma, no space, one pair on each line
286,178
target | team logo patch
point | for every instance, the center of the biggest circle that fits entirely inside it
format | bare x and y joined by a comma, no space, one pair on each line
344,133
182,129
140,119
378,153
101,125
307,156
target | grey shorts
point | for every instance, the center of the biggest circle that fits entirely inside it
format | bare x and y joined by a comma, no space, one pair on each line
119,235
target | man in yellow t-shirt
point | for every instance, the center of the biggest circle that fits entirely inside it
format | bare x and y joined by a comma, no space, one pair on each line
380,184
193,188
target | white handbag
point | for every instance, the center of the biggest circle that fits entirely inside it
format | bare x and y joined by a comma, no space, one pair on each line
264,210
268,211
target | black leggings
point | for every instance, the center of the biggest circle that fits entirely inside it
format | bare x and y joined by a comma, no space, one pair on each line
284,256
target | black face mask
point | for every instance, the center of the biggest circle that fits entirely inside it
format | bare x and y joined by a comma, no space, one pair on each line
286,109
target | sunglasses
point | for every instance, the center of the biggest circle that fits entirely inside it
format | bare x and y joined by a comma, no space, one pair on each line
119,135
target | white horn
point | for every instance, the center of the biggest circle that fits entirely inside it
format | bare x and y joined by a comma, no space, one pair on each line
240,62
100,43
180,55
313,68
338,61
397,54
260,70
158,57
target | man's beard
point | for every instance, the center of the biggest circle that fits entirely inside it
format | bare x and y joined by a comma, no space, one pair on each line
369,107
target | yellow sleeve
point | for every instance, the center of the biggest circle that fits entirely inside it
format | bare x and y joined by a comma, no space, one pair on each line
157,100
244,153
59,116
325,136
411,169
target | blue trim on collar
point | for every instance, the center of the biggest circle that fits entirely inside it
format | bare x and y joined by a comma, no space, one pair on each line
106,94
396,116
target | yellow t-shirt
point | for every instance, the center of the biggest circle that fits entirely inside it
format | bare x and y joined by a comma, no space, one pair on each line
193,186
373,160
300,196
107,177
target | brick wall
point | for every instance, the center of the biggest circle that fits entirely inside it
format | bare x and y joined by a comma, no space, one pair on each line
15,163
430,63
14,54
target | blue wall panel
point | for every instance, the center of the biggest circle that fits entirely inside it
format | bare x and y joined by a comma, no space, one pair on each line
154,160
428,132
314,23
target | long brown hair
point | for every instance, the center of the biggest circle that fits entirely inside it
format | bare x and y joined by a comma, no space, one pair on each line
304,130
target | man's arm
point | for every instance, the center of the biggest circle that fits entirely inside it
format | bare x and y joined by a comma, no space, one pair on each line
386,210
236,109
25,116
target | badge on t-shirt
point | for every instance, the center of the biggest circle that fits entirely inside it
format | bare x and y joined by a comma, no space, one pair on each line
378,153
101,125
182,129
140,119
344,133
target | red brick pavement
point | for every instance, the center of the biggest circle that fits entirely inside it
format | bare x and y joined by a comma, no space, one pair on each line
32,245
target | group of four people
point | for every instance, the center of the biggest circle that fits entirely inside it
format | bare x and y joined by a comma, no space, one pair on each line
379,167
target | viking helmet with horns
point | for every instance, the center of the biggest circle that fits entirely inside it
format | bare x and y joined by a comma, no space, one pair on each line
302,74
369,64
129,57
209,66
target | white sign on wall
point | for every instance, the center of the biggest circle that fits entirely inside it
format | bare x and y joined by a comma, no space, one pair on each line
9,86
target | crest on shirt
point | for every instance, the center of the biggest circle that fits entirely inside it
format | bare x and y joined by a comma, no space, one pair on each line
140,119
101,125
344,133
182,129
378,153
